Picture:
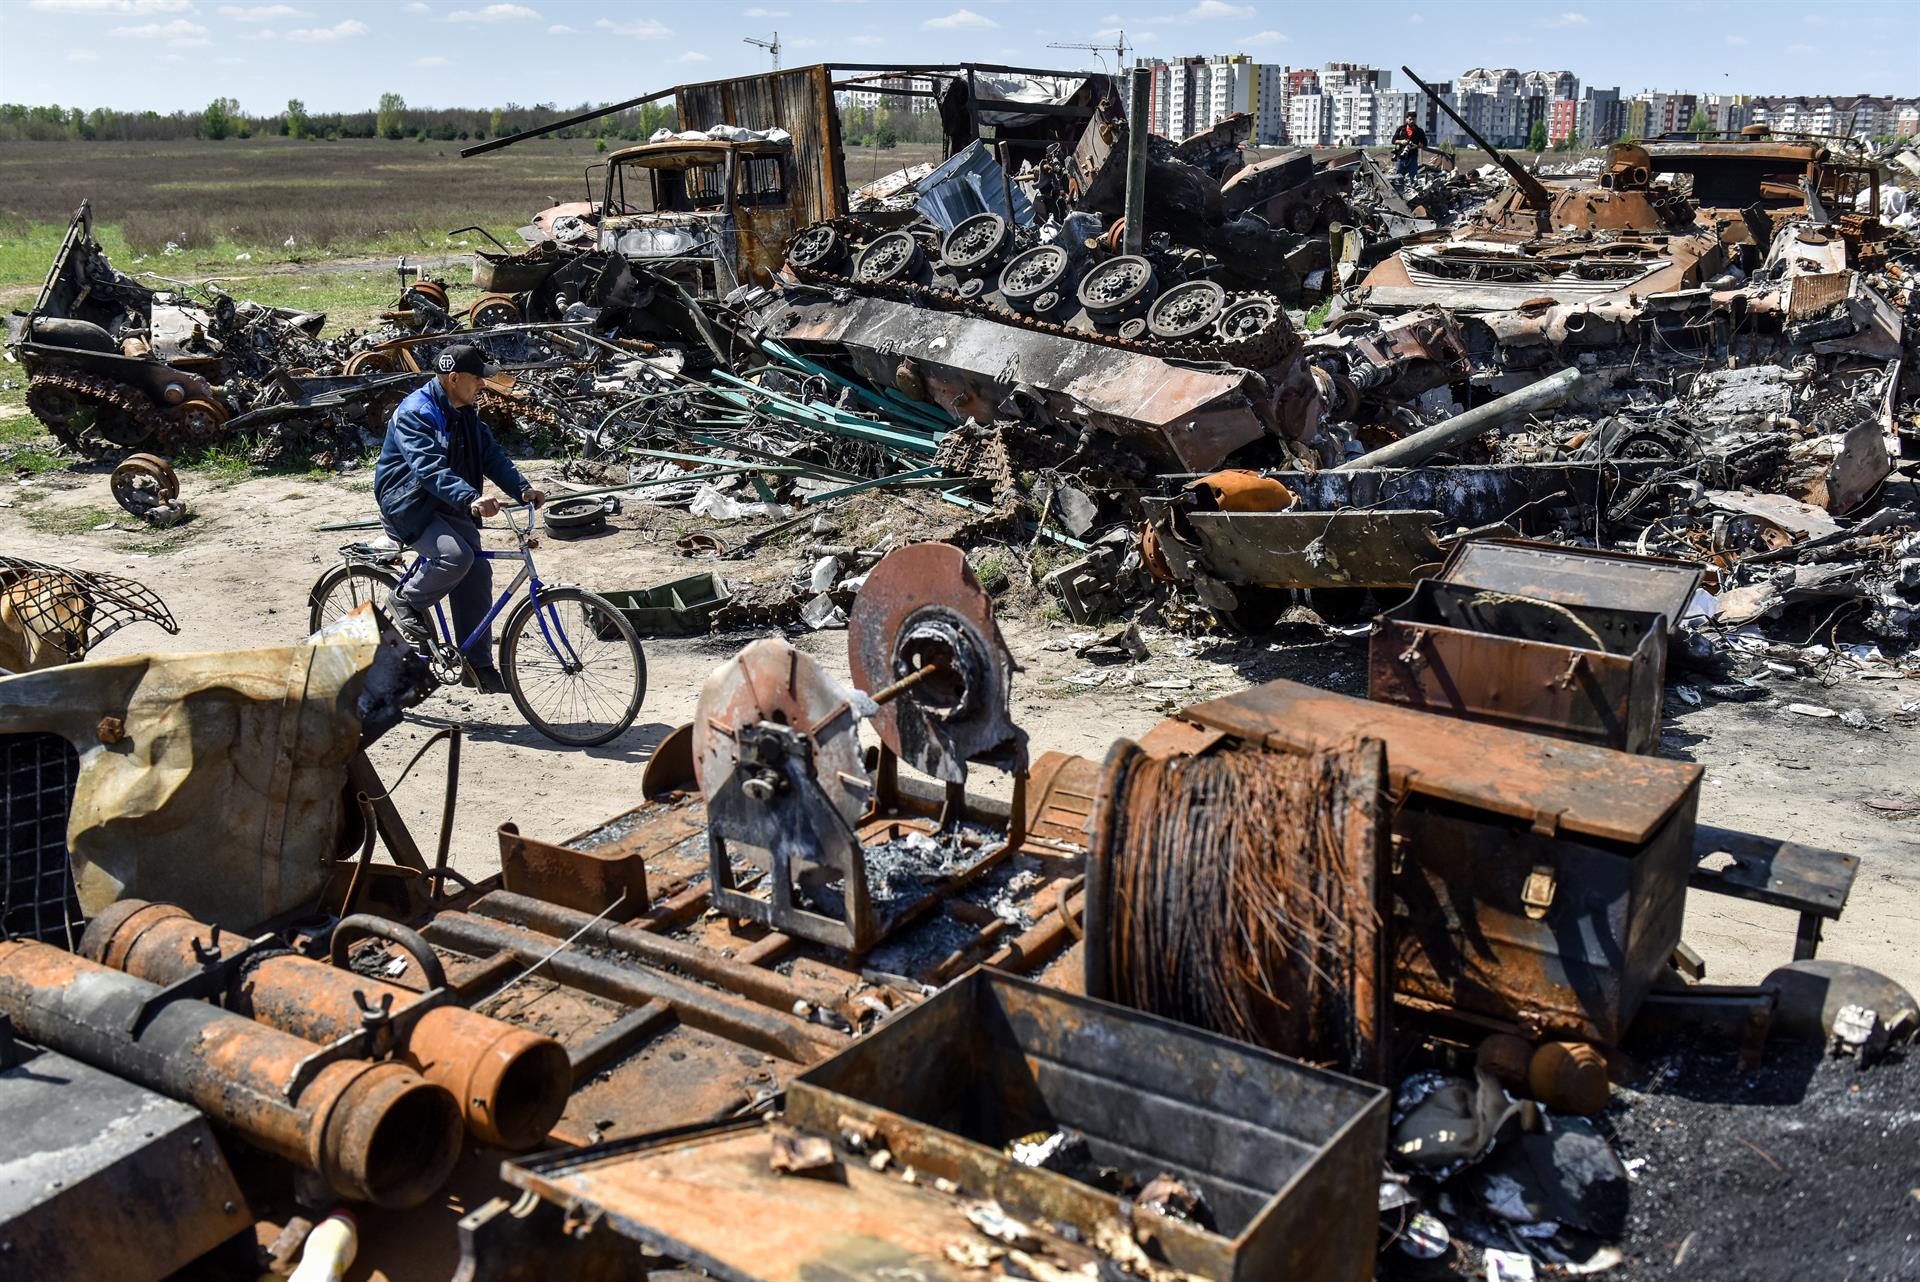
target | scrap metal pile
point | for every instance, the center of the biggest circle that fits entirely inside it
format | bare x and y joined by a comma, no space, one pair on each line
814,1006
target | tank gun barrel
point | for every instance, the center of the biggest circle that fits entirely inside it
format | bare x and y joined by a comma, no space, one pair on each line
1537,197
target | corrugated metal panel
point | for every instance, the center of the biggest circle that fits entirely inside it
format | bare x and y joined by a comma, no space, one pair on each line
799,101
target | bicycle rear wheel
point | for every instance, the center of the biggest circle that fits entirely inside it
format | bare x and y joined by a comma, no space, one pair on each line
573,665
345,587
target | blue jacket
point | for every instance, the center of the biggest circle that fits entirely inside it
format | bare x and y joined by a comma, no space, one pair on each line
433,461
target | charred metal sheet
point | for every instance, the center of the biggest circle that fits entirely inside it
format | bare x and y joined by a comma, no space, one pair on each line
1473,495
1315,549
611,884
100,1178
1189,415
1540,882
1571,671
1577,576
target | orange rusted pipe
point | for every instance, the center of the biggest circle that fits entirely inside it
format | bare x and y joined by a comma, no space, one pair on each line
511,1084
376,1132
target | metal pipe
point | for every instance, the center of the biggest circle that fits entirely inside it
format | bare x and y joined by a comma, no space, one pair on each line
1538,198
511,1084
376,1132
768,988
1137,135
1410,450
722,1013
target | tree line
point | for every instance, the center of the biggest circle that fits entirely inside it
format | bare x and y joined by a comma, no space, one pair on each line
390,118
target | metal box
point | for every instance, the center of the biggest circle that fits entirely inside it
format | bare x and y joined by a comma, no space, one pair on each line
1535,882
1462,652
1288,1156
1560,641
100,1178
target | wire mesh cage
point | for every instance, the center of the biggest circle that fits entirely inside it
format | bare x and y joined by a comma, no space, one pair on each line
37,898
63,614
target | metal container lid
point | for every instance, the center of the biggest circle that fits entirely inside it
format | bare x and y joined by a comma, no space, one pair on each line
1576,576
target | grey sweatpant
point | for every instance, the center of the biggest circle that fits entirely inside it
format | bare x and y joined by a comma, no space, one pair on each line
449,570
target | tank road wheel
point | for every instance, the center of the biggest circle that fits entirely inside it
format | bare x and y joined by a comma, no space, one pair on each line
893,257
1187,310
493,309
818,248
198,422
1247,318
1033,273
373,362
1118,289
977,245
143,482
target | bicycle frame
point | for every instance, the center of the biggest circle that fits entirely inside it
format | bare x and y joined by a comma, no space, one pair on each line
529,574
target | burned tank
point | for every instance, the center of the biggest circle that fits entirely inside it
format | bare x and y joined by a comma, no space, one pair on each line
113,365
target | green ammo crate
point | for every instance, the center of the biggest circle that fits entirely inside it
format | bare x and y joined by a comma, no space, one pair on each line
677,609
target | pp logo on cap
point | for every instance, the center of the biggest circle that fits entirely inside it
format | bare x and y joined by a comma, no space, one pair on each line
445,363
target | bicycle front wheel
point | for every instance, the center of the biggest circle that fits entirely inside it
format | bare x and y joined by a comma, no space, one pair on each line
573,665
344,587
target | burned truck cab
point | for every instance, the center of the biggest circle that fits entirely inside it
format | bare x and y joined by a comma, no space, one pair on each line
711,215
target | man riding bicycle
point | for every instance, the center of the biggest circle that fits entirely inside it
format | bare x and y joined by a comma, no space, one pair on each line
427,484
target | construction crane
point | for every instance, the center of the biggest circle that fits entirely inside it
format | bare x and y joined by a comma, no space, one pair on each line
1118,48
771,46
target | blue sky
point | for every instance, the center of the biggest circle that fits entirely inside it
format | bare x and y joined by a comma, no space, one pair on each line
342,54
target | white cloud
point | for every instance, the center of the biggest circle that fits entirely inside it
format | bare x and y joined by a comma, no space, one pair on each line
130,7
1736,40
693,55
230,62
414,7
173,57
1802,48
260,35
802,42
561,29
261,12
82,55
867,42
1415,19
346,30
1210,9
1815,20
758,12
1567,19
431,60
494,13
645,29
959,20
179,33
1267,38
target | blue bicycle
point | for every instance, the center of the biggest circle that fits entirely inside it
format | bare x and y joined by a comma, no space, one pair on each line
571,660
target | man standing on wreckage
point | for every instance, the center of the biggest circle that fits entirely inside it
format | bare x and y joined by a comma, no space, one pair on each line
427,484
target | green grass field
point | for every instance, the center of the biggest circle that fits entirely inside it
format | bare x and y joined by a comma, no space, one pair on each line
230,207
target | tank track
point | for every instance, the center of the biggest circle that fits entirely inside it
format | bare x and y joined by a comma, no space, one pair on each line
1268,348
152,425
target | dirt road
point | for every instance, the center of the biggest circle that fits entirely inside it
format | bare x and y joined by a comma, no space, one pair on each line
241,569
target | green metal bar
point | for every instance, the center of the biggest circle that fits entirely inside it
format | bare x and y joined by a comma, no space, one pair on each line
937,419
920,477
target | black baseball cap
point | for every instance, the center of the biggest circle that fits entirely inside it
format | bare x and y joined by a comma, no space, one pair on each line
463,358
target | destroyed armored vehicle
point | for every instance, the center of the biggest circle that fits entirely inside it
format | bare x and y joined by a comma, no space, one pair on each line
113,365
710,215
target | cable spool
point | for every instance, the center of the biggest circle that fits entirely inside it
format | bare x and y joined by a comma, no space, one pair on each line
1239,892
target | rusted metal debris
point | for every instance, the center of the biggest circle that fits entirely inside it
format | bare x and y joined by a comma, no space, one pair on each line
1354,882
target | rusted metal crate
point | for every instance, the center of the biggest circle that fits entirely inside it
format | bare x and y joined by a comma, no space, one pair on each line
1462,652
1287,1155
1536,882
1558,641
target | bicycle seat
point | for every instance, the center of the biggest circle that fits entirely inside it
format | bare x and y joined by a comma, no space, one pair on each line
380,551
